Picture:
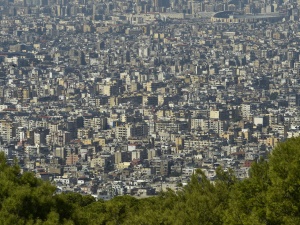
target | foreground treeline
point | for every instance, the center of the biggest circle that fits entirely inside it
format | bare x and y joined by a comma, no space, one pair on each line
270,196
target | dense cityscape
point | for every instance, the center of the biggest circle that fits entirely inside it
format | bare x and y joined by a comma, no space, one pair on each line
116,98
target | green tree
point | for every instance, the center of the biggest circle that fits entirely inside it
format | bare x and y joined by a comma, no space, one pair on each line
24,198
247,202
201,201
271,195
283,206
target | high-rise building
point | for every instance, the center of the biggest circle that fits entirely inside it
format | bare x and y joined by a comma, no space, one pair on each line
7,131
72,159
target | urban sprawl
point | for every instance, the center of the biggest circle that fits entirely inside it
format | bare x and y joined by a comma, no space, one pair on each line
131,97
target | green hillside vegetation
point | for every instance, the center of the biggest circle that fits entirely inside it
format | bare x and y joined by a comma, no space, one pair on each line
270,196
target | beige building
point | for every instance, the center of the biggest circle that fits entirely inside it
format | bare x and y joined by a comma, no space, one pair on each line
72,159
98,162
6,130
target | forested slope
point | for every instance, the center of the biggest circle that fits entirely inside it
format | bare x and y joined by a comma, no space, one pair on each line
270,196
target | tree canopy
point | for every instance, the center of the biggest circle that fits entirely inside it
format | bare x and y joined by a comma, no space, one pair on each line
271,195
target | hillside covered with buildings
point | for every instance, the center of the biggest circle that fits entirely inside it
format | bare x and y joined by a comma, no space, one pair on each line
111,98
